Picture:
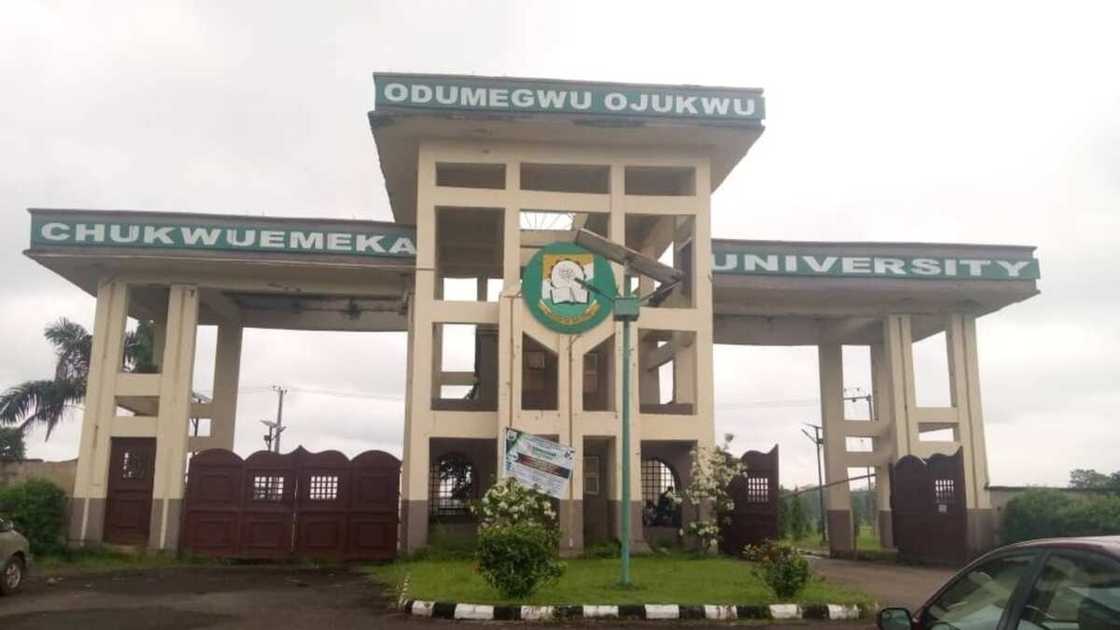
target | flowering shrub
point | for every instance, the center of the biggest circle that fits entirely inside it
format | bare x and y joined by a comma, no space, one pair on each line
712,471
518,537
510,503
780,566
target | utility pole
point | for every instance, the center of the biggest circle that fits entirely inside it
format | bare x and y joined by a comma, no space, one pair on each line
818,441
279,428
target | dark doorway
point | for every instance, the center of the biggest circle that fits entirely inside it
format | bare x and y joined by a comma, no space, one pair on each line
128,509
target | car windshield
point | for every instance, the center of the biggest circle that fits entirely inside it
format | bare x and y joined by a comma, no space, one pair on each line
978,599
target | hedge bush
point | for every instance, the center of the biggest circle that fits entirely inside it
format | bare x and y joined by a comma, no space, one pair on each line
518,559
1046,513
38,509
784,570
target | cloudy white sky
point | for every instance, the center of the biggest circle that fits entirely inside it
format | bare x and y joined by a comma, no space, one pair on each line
960,122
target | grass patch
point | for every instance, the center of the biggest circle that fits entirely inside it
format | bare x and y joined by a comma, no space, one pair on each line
679,579
106,560
868,546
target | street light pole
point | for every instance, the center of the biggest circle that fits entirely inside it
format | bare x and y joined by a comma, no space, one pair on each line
625,439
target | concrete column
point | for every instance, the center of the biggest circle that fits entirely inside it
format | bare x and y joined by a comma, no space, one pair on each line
837,498
964,381
884,418
227,374
174,410
87,508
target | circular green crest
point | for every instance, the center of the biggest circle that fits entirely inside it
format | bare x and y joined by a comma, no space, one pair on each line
554,290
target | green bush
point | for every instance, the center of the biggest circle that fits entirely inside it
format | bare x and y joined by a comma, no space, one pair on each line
38,509
518,559
1045,513
780,567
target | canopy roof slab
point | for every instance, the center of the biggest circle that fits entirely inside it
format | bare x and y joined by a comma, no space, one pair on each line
718,123
262,272
807,293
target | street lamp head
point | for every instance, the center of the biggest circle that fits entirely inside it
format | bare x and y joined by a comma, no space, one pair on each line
632,260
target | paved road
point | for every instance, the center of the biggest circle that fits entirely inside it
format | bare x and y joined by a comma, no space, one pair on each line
889,584
271,598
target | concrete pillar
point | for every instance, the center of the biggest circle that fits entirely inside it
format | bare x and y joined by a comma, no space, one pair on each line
883,417
87,507
837,497
227,374
964,382
172,424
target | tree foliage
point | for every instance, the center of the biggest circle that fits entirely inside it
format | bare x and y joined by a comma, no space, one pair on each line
1048,513
1089,479
11,444
43,402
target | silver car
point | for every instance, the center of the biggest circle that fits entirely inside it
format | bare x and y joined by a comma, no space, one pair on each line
15,556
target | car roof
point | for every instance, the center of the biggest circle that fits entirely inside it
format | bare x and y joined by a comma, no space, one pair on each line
1105,544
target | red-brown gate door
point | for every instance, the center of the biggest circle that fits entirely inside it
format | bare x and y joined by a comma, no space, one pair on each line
321,507
128,509
268,505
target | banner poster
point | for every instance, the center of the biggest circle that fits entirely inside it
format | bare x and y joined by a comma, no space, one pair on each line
538,463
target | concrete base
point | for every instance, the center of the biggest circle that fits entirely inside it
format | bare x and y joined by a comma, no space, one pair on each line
981,525
163,532
90,511
637,541
571,527
886,530
414,525
840,532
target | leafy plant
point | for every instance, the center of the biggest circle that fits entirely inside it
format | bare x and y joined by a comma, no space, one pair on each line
780,566
38,509
518,559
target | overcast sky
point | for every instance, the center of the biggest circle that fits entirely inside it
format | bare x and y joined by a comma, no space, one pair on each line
971,122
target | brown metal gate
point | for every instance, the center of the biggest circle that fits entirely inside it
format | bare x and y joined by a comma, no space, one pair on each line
128,509
299,504
928,511
755,494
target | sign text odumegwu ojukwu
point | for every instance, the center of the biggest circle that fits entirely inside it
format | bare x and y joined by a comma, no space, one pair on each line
489,94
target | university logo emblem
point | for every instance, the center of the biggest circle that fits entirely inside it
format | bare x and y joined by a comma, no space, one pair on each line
554,287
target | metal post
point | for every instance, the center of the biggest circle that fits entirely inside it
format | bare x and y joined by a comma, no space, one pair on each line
626,442
279,428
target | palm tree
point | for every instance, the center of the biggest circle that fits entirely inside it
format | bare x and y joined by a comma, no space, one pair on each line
43,402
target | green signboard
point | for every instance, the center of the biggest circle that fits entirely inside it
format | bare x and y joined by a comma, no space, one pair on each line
749,260
379,241
554,290
488,94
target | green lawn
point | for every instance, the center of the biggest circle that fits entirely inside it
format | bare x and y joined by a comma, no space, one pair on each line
677,579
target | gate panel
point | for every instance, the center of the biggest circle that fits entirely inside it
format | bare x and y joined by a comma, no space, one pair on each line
374,506
324,484
928,509
755,494
212,517
268,505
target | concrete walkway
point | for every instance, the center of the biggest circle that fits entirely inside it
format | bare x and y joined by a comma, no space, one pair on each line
890,584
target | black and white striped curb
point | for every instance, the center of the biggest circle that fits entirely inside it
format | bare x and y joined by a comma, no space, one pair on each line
450,610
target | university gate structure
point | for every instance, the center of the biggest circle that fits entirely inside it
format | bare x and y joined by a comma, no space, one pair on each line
485,177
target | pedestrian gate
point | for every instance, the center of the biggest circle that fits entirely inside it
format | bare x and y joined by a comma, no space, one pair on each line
754,518
299,504
928,511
